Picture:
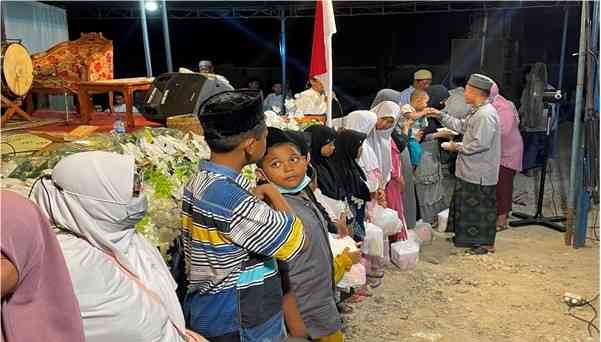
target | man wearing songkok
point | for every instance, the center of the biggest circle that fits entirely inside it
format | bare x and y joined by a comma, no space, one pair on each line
472,214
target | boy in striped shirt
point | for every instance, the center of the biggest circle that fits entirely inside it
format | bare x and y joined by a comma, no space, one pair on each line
232,237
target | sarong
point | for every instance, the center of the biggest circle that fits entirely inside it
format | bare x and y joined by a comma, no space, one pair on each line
473,214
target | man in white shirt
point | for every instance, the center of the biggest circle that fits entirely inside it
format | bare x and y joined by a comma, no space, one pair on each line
273,99
311,101
119,105
206,67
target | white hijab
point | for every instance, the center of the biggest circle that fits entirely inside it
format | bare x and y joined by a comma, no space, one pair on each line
380,139
364,121
91,195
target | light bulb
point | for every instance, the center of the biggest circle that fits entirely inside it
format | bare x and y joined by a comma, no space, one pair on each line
151,6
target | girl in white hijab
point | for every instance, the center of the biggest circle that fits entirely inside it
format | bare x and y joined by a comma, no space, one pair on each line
364,121
124,289
387,113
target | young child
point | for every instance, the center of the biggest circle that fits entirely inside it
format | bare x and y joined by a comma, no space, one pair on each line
310,305
232,238
415,112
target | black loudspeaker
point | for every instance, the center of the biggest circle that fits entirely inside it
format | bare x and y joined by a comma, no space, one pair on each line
179,93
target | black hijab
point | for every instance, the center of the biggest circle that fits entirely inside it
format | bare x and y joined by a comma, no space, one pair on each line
352,177
438,94
327,178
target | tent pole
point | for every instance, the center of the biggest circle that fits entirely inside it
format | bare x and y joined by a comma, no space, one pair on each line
145,38
283,59
166,36
576,135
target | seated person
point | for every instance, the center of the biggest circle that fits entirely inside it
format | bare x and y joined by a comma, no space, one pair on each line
206,67
313,101
119,105
274,99
309,280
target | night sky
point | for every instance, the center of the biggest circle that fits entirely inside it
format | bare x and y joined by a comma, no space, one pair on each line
249,47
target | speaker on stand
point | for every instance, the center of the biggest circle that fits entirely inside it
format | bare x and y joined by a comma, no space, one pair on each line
538,218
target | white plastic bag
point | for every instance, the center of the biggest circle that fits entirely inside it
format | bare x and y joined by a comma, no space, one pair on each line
338,245
423,232
354,278
405,254
388,220
443,218
373,243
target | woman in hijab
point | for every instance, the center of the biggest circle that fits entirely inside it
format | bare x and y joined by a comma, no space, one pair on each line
512,149
408,198
349,147
364,121
38,302
322,149
123,286
380,139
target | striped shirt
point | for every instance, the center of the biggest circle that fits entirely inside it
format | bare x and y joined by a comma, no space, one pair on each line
230,242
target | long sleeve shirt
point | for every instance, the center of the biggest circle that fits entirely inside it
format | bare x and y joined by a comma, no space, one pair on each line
479,155
231,242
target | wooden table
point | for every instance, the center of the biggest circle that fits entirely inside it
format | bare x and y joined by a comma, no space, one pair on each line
127,86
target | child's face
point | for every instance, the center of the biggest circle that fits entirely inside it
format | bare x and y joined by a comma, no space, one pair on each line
384,123
328,150
420,103
284,166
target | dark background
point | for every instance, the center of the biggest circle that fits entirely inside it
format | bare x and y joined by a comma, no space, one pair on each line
367,49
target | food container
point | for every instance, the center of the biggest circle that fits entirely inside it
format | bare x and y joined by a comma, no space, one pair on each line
373,243
405,254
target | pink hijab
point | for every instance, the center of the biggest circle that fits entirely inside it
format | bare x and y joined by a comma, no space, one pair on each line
43,306
512,146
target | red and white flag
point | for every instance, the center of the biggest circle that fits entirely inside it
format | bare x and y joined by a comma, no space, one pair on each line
321,54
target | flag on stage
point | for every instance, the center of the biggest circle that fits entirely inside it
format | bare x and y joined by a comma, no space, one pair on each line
321,54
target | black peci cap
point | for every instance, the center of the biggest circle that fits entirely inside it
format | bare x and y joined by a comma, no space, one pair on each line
230,113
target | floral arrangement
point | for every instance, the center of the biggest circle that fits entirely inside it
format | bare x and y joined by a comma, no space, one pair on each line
167,158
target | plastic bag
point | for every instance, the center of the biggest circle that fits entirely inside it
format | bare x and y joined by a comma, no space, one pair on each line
443,218
373,243
388,220
354,278
405,254
338,245
423,233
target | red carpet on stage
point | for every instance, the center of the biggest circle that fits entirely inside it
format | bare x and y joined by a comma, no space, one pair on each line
101,119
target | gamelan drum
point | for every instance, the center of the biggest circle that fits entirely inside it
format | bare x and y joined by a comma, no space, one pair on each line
17,70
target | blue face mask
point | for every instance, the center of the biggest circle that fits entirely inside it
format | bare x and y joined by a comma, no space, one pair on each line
300,187
136,210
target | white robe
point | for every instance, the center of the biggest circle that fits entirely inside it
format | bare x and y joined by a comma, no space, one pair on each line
93,205
310,102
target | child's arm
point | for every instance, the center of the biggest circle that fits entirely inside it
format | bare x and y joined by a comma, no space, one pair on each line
292,316
343,263
250,223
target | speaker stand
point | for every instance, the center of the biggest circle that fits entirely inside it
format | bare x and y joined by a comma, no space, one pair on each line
538,219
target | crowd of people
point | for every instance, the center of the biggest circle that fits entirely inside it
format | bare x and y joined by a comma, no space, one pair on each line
254,262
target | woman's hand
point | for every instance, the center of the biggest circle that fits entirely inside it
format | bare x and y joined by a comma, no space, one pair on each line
381,198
